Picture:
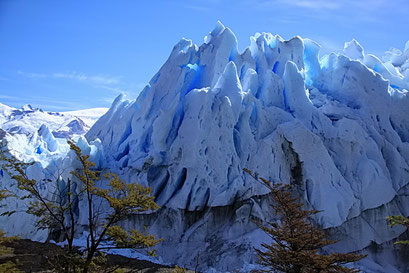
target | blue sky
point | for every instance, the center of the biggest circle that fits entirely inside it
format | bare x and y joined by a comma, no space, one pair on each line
68,55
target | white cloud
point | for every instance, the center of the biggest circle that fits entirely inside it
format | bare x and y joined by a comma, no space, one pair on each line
8,97
77,76
45,103
199,8
314,4
96,79
111,83
201,5
305,4
32,75
114,84
363,9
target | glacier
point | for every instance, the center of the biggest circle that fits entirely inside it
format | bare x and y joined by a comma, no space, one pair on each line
335,126
27,120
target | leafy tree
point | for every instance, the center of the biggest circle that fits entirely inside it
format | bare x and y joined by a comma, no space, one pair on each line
296,242
56,211
398,220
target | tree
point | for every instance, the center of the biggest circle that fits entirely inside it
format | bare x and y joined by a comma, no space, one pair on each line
398,220
296,242
56,211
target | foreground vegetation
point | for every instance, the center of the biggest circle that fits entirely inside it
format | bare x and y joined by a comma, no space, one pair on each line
30,256
57,211
297,243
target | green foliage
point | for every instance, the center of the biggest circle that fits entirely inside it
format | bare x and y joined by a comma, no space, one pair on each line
178,269
4,194
126,198
132,239
398,220
75,262
69,262
296,242
3,240
57,212
9,267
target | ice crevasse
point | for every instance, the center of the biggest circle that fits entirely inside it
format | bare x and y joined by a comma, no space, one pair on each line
336,126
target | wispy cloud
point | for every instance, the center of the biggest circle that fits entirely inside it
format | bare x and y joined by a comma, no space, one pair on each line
361,10
199,8
201,5
77,76
326,4
32,75
97,79
114,84
311,4
47,103
6,97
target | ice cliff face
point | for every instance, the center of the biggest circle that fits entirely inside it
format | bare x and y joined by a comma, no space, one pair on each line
336,126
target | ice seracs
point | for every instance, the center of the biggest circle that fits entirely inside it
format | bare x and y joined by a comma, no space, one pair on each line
47,139
354,50
276,108
335,126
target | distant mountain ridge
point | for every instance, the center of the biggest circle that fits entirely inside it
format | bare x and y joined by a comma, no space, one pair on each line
27,120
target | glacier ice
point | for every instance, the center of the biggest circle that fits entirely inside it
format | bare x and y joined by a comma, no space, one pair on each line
335,126
354,50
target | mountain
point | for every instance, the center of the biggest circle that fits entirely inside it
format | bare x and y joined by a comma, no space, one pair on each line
89,116
335,126
28,120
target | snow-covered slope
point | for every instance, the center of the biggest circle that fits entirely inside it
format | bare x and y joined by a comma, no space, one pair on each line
28,120
335,126
89,116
